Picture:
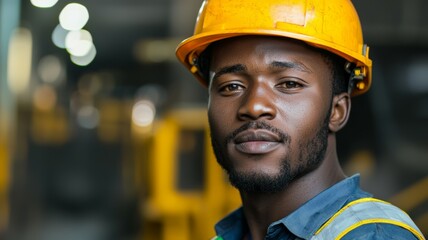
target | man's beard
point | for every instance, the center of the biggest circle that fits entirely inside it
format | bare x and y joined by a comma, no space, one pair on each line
310,155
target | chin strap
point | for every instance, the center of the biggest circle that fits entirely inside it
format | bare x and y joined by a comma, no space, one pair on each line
356,77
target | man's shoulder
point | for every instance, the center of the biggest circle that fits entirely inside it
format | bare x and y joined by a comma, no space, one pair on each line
379,231
369,218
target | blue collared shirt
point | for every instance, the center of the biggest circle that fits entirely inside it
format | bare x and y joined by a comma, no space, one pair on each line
306,220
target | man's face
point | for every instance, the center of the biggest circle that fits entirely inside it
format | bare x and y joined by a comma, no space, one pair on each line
269,108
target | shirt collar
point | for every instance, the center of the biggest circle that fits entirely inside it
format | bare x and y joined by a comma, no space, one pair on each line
303,222
232,226
308,218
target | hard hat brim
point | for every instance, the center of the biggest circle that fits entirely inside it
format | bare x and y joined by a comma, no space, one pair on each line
190,48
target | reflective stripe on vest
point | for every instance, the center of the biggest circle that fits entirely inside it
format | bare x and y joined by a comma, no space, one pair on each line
365,211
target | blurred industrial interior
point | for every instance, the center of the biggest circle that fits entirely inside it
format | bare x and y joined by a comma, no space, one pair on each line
111,142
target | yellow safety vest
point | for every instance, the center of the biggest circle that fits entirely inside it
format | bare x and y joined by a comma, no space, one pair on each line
365,211
361,212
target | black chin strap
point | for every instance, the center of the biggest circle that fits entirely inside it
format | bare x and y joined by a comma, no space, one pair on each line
356,77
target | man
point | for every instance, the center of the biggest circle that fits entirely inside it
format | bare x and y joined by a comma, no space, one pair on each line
280,75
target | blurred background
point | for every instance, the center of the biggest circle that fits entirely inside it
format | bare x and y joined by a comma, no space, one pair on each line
103,133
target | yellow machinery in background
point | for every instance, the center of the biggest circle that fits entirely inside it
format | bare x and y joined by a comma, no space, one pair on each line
185,191
4,184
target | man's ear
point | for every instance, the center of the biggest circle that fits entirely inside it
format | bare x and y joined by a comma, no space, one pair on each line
340,110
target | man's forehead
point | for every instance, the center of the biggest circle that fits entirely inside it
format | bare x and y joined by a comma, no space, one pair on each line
258,46
273,52
256,39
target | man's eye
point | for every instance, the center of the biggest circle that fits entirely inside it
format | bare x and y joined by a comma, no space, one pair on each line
231,88
291,84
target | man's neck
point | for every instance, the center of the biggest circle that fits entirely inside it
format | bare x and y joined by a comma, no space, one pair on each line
263,209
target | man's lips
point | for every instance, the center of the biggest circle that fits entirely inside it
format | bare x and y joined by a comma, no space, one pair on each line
256,141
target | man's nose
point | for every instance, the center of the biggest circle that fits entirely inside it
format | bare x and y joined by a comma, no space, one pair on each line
258,103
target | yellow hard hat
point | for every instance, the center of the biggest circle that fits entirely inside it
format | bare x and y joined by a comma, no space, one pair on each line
332,25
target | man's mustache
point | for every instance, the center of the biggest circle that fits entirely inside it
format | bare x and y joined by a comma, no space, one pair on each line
283,136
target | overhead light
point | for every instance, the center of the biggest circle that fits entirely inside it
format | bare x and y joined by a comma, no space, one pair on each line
58,36
86,59
78,43
44,3
74,16
143,113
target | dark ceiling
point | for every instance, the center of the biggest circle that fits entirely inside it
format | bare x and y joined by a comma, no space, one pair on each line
118,27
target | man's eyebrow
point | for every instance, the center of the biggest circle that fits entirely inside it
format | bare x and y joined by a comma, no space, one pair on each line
293,65
237,68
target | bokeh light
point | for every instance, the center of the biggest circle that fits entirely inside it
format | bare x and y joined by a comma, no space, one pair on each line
44,98
50,69
78,43
143,113
20,60
74,16
88,117
44,3
58,36
86,59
